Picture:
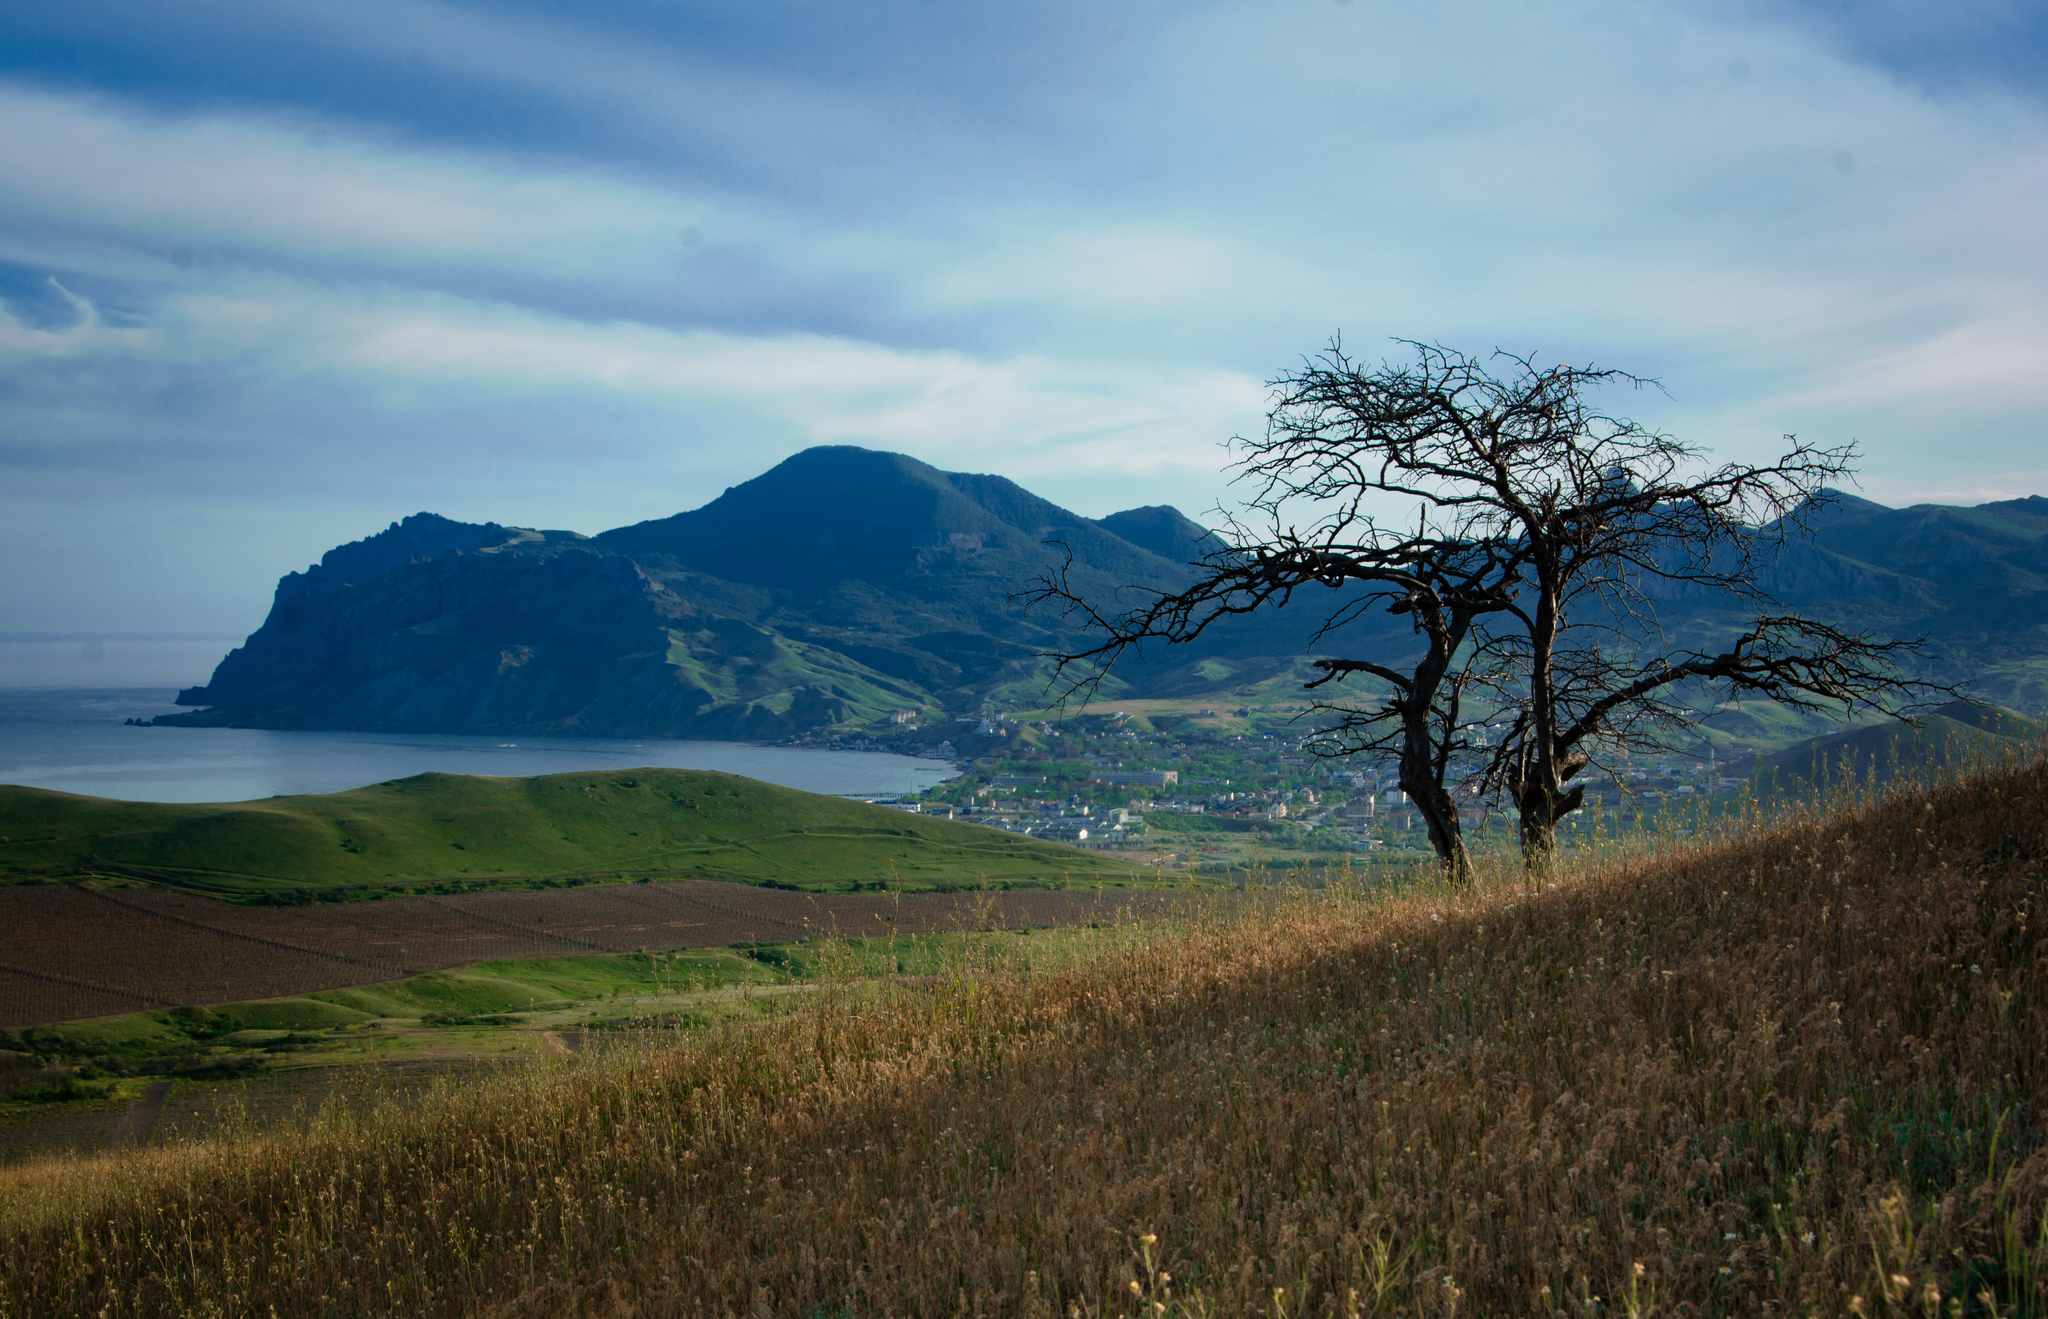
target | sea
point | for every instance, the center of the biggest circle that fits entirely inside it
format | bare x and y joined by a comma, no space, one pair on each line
73,739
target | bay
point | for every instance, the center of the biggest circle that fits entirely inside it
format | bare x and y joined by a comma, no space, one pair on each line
74,740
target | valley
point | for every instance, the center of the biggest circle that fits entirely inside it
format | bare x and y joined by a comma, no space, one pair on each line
223,1063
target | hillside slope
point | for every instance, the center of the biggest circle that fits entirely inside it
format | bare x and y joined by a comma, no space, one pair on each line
452,832
1974,581
1795,1072
1954,737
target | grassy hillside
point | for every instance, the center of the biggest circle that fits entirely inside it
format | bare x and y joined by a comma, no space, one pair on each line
442,832
1797,1071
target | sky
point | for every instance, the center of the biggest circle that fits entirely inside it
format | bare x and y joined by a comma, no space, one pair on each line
275,274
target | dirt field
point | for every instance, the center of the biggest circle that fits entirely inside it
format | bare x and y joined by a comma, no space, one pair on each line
68,952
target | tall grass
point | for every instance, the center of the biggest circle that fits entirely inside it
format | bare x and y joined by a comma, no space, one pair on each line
1795,1069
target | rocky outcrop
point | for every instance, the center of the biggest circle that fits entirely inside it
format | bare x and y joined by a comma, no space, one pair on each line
492,639
297,602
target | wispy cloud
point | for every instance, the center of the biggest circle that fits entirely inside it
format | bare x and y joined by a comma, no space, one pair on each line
398,352
147,197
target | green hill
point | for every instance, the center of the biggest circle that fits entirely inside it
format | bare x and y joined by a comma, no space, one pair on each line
449,832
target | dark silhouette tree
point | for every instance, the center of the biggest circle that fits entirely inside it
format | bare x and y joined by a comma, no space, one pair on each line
1446,587
1543,533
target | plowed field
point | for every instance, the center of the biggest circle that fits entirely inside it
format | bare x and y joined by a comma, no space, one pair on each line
68,952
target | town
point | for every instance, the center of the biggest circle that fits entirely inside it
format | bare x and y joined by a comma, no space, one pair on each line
1184,785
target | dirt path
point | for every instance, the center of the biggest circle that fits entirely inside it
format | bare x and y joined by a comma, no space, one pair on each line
132,1131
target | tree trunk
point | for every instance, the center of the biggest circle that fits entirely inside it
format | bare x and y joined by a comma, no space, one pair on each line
1539,794
1539,809
1439,812
1422,760
1447,836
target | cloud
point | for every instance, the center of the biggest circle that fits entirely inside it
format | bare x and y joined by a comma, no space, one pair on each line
489,259
396,352
1593,176
34,326
238,191
1959,48
1979,368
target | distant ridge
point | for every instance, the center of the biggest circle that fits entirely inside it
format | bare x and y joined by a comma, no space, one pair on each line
846,585
835,589
1164,530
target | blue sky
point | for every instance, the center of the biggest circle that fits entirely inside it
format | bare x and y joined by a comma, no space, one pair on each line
273,274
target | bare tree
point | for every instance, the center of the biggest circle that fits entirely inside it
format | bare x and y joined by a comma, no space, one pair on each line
1604,706
1445,586
1543,531
1604,516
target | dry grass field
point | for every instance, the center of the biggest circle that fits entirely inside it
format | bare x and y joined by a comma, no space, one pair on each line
1803,1070
68,952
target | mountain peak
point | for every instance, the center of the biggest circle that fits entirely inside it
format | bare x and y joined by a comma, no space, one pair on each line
1831,503
839,511
1164,530
847,584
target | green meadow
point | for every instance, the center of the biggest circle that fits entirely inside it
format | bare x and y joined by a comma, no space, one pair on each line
592,990
460,833
165,1076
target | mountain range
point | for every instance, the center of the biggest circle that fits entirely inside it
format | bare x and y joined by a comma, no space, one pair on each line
840,587
846,584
